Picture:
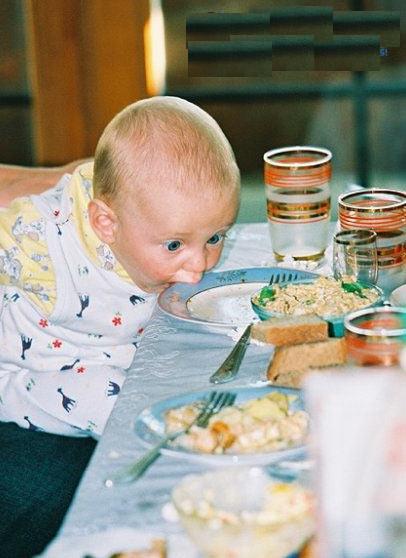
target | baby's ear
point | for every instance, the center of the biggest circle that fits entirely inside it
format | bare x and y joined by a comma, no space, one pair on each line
103,220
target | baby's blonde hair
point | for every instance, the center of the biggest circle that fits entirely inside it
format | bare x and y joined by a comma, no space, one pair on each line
159,138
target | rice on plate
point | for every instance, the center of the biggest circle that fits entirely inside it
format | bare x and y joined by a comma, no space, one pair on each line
324,296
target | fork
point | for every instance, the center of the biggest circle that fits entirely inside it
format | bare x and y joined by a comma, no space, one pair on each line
283,277
216,401
229,368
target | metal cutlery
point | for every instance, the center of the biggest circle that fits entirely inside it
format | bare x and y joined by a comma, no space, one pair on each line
291,469
284,277
229,369
215,402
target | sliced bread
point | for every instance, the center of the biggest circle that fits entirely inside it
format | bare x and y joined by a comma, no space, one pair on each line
290,330
290,363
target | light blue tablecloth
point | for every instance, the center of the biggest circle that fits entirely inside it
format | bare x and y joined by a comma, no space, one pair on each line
174,357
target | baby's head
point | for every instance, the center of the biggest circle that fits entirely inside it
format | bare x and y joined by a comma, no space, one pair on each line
166,190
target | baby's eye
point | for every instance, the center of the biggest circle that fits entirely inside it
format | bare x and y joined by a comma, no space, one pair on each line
173,245
216,238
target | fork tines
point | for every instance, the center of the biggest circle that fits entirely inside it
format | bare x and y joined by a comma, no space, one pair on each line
283,277
211,405
217,401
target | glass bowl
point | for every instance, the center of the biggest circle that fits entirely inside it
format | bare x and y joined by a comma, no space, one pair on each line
245,513
335,322
376,336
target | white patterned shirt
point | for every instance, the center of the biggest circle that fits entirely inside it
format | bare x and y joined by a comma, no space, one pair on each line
71,318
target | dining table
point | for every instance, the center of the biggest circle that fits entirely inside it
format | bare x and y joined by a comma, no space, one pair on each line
175,356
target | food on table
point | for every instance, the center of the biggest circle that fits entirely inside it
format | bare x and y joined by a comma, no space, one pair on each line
156,550
289,330
308,551
290,363
264,424
324,297
244,514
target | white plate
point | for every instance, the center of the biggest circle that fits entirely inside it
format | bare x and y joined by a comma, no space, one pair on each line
223,298
150,428
398,296
106,543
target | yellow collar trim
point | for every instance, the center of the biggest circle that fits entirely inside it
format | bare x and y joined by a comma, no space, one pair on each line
80,193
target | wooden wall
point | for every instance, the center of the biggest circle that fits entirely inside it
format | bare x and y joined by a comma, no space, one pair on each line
87,61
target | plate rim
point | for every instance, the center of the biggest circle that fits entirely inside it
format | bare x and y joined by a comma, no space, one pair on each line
224,459
187,290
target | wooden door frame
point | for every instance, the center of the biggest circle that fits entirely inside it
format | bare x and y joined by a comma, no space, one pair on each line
87,62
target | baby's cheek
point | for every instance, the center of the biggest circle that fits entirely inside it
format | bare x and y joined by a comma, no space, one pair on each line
214,258
163,269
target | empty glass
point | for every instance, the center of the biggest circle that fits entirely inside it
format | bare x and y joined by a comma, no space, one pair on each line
358,435
355,255
297,187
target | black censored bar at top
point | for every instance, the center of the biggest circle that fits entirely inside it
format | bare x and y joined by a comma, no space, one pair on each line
312,38
287,21
258,57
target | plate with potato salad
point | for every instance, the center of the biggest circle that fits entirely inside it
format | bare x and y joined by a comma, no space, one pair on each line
264,424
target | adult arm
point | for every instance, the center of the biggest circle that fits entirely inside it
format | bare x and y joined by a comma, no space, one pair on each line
16,181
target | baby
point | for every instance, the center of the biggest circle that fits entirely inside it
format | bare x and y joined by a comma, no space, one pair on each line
81,264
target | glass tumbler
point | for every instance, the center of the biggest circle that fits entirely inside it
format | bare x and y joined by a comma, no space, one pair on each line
383,211
375,336
297,183
355,255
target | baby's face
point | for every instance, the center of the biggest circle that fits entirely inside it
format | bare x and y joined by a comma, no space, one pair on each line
174,238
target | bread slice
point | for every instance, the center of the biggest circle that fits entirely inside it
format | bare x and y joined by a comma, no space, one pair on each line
290,330
290,363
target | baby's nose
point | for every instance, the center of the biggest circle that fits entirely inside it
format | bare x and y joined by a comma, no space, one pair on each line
196,263
193,268
188,277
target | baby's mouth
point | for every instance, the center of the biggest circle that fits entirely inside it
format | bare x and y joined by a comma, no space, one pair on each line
160,288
